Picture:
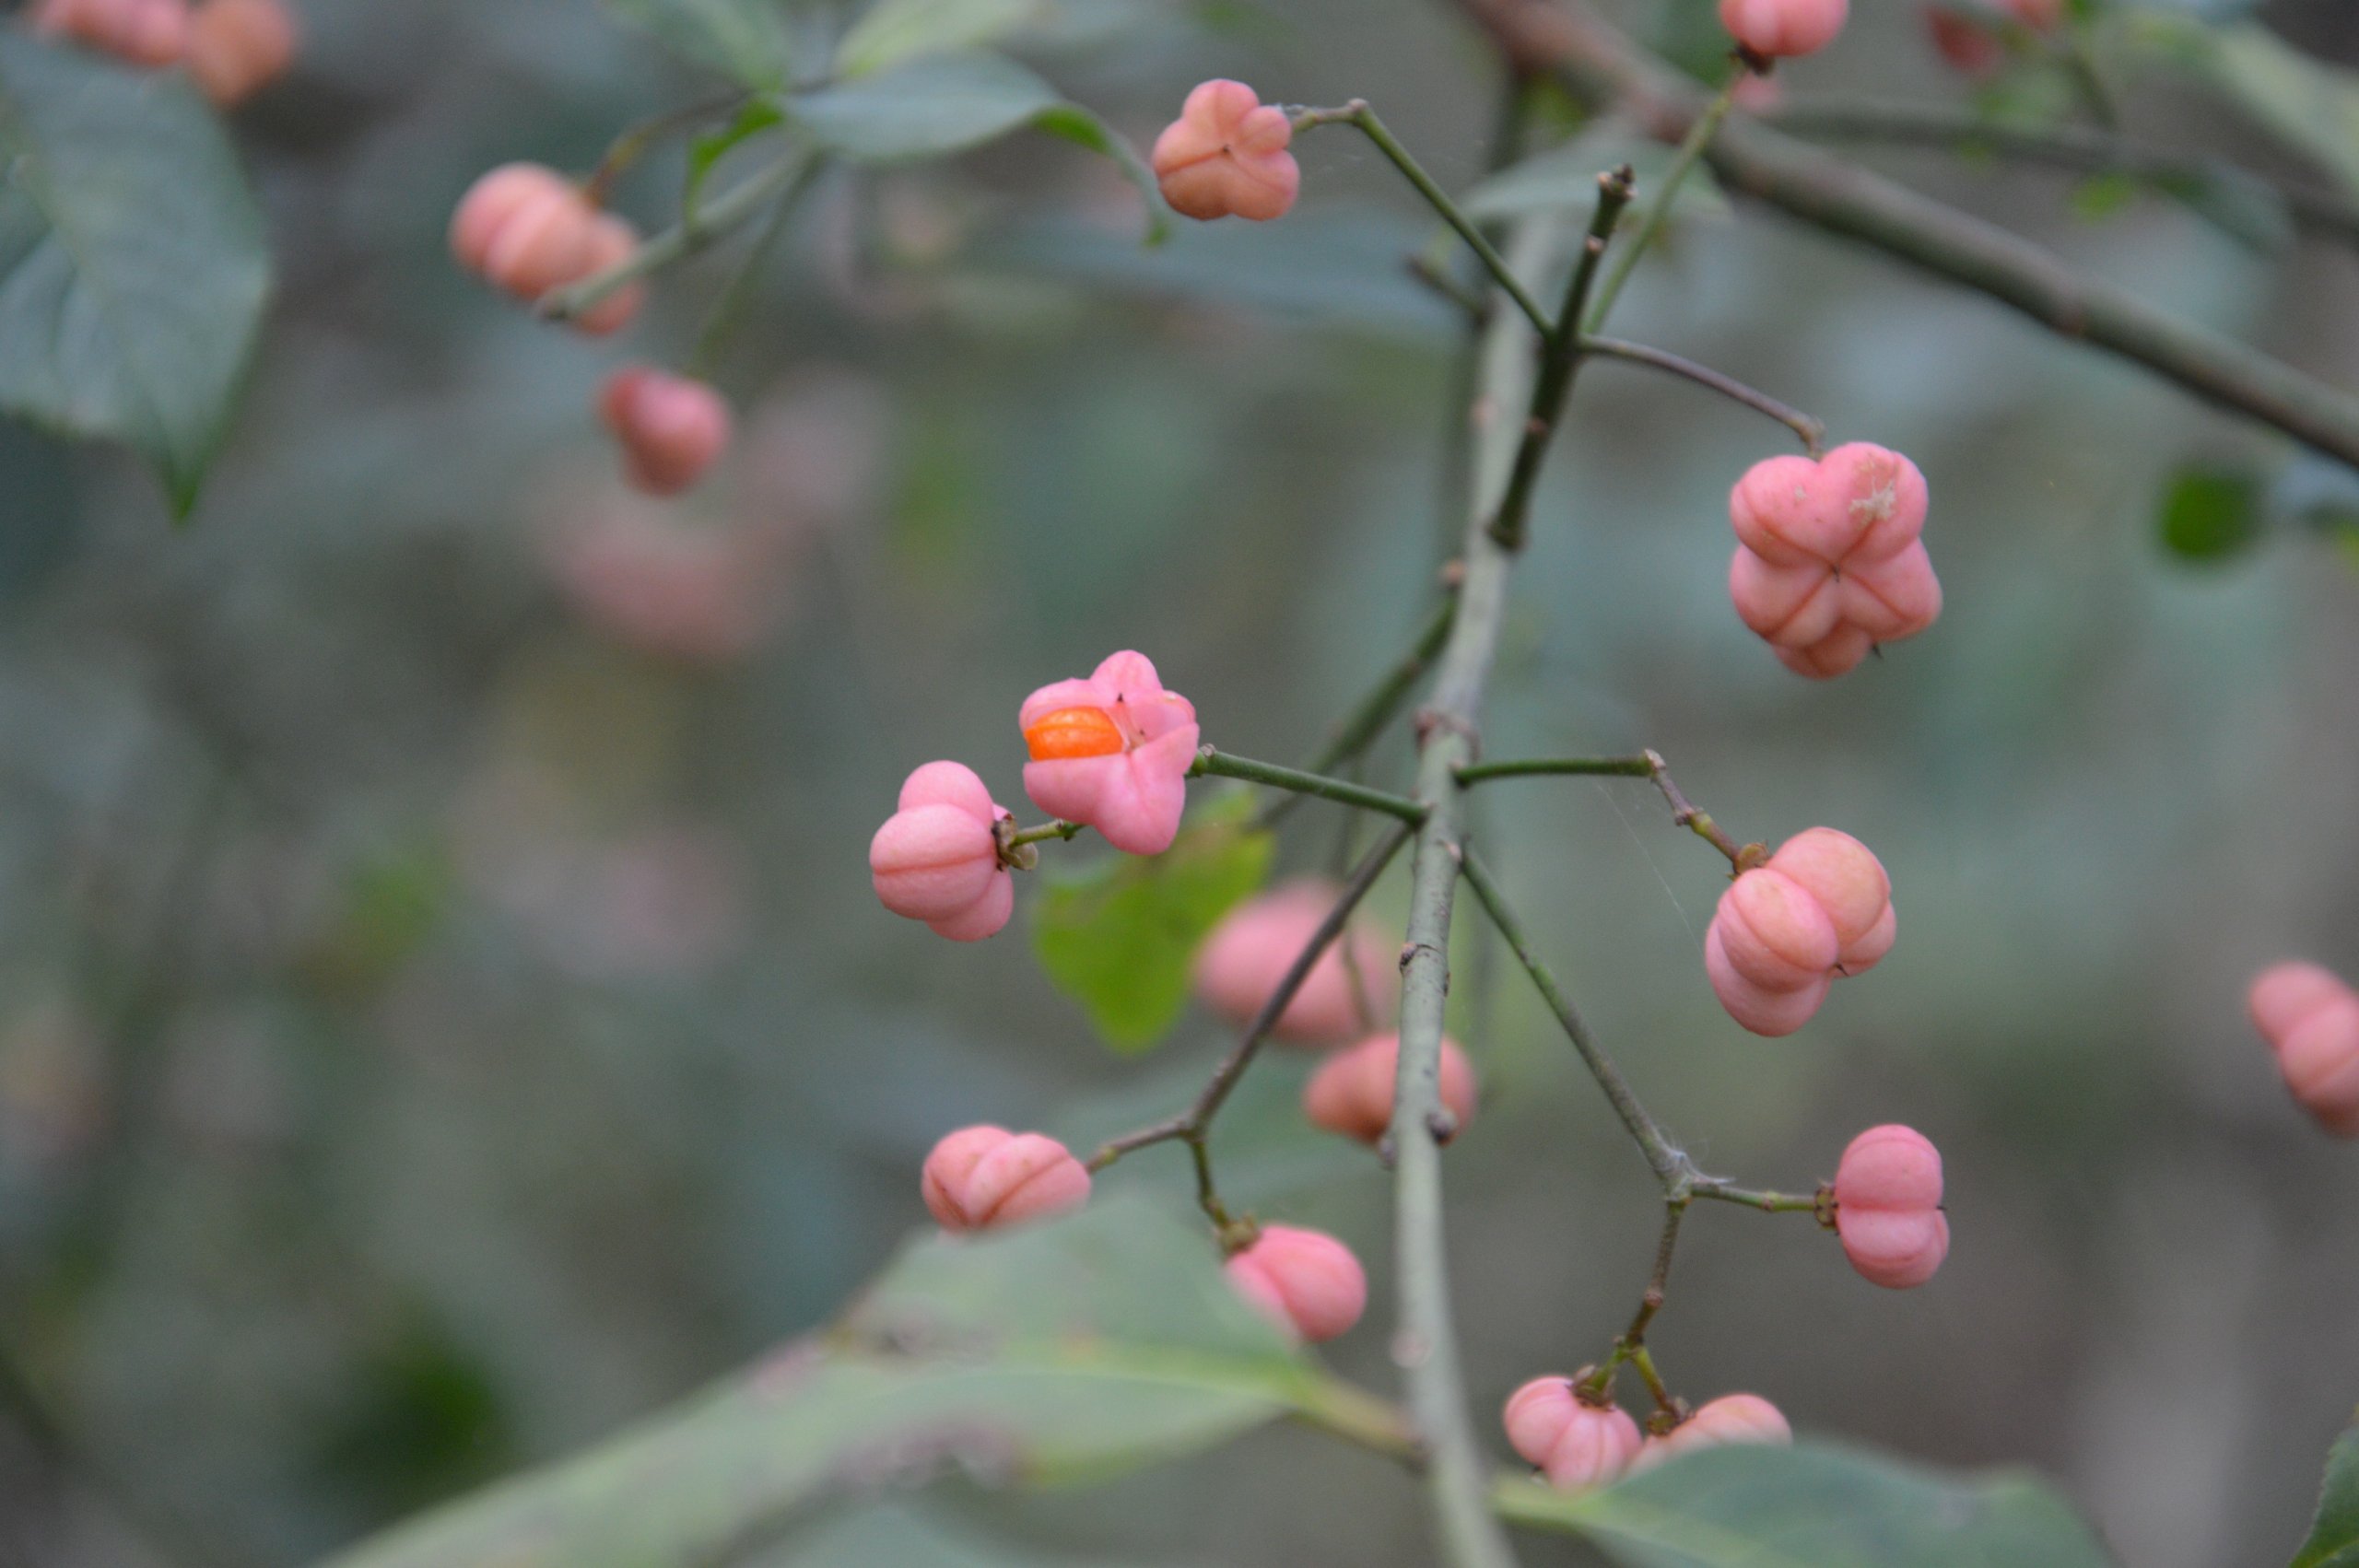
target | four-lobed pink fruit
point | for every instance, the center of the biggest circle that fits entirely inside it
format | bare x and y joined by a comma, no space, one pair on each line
2310,1018
671,429
1575,1444
981,1179
1226,155
529,229
1306,1281
1820,907
142,32
937,860
1732,1418
1830,559
238,47
1240,963
1784,27
1888,1207
1352,1092
1112,752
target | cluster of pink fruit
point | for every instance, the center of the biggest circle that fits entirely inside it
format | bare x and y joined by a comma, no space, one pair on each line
528,229
231,48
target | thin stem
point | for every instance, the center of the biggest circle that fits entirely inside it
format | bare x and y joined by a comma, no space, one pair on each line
631,145
1358,114
729,306
1222,765
2081,149
713,219
1560,358
1691,150
1600,69
1811,431
1671,1164
1196,1121
1767,1202
1700,822
1542,766
1346,1410
1060,828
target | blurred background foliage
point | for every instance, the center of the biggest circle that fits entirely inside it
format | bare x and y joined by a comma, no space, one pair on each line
443,1011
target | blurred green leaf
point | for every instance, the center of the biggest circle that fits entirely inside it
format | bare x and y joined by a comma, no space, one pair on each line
1816,1506
1060,1351
2334,1534
1082,127
2308,104
2210,513
744,40
900,1538
932,106
2102,196
1121,937
893,30
132,268
708,148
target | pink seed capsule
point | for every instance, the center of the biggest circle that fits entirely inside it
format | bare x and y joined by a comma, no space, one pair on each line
140,32
982,1178
1830,561
1777,27
1227,155
671,429
1306,1281
1732,1418
2311,1019
528,229
1888,1207
238,47
1240,967
1576,1445
1819,908
936,859
1352,1092
1133,791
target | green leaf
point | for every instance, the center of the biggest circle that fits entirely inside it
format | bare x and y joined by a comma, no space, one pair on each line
2309,105
893,30
744,40
1119,937
2211,514
902,1538
2334,1535
707,149
1062,1351
1815,1506
132,269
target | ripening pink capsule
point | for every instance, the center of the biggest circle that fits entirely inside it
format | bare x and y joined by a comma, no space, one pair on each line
1732,1418
1820,907
141,33
528,229
2310,1018
1830,560
936,859
1352,1091
1112,752
1576,1445
1784,27
1227,155
981,1178
671,428
1888,1207
1306,1281
1240,967
237,47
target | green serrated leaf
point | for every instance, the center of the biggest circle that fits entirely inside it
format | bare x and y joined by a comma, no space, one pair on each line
132,268
1055,1352
2334,1533
891,32
2209,514
1815,1506
1120,939
746,40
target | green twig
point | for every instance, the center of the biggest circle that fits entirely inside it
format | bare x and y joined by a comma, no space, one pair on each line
715,218
1691,150
1220,764
1812,432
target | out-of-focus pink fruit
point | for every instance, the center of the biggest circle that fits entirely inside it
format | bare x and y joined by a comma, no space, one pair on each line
1784,27
237,47
671,428
1731,1418
1240,967
528,229
2310,1018
142,32
1352,1091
